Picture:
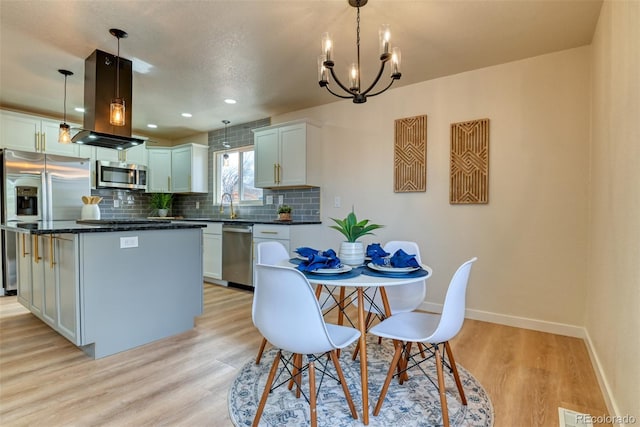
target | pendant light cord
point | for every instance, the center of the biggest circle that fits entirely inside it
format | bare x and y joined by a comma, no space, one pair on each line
118,70
358,44
65,100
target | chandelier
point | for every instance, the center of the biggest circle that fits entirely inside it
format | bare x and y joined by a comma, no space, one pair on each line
354,89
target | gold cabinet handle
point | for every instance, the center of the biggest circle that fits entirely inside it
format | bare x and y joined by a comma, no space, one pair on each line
168,183
36,251
43,142
189,182
37,141
275,173
279,177
52,253
24,246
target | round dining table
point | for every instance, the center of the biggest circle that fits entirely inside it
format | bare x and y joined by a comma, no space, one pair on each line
366,279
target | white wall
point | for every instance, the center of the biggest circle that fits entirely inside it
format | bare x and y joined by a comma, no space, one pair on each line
531,239
613,292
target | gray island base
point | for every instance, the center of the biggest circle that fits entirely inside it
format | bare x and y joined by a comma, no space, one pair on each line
133,296
108,290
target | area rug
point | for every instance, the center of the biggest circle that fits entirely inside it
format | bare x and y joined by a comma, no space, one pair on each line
414,403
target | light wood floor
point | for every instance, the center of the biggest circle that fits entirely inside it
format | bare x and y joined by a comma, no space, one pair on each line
183,380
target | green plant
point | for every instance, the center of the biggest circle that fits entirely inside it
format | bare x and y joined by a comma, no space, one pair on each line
284,209
161,200
352,228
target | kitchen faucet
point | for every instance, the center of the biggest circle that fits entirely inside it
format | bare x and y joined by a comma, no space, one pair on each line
233,215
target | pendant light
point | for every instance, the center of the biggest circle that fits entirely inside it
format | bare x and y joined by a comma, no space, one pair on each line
353,90
117,111
225,144
64,134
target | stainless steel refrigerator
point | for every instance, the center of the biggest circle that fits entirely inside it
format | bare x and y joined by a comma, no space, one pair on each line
38,187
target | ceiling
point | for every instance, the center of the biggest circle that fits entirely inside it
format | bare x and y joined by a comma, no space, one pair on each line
190,55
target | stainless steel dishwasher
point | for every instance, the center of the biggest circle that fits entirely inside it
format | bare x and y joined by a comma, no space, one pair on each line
237,254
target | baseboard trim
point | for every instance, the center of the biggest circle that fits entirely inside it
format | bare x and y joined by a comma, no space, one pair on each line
607,393
550,327
515,321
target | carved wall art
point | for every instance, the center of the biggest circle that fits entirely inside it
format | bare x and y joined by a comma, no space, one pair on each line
469,162
410,155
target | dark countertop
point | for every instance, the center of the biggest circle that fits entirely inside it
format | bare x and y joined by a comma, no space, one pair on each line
247,221
51,227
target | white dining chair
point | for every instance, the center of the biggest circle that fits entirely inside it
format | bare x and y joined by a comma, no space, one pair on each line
287,314
432,330
270,253
402,298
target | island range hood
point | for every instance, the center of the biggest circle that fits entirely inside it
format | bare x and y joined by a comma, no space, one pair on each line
99,89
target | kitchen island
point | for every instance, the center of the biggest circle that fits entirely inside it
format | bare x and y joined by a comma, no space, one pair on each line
111,287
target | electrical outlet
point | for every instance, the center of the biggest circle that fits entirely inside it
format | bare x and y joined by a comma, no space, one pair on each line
197,204
280,199
337,202
270,199
129,242
116,203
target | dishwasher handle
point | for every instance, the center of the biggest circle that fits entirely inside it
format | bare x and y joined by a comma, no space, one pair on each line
237,229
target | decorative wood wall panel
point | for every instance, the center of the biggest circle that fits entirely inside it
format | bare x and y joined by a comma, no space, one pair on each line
410,155
469,162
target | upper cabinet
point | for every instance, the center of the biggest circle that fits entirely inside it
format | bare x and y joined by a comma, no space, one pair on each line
180,169
33,133
287,155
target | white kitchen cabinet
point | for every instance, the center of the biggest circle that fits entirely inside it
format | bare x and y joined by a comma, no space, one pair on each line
159,172
34,134
287,155
212,251
180,169
189,164
270,233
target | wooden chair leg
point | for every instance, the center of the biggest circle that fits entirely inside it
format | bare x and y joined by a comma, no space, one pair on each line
387,381
296,377
267,388
312,394
421,347
261,350
343,382
402,365
452,361
443,396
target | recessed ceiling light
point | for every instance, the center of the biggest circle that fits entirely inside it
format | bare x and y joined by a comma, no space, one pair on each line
79,109
230,101
152,126
187,115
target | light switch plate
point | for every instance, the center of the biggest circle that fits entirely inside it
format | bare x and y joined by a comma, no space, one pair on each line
270,199
280,199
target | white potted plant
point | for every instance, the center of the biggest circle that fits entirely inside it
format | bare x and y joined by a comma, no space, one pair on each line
351,251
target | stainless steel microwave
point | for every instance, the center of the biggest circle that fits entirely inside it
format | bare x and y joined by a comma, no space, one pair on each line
121,175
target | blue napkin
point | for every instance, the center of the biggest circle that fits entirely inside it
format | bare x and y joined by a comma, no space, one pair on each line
307,252
326,259
374,250
402,259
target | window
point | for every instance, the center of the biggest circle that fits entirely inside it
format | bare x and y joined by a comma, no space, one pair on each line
235,176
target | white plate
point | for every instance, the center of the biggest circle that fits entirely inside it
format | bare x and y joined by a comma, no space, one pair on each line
384,269
342,269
